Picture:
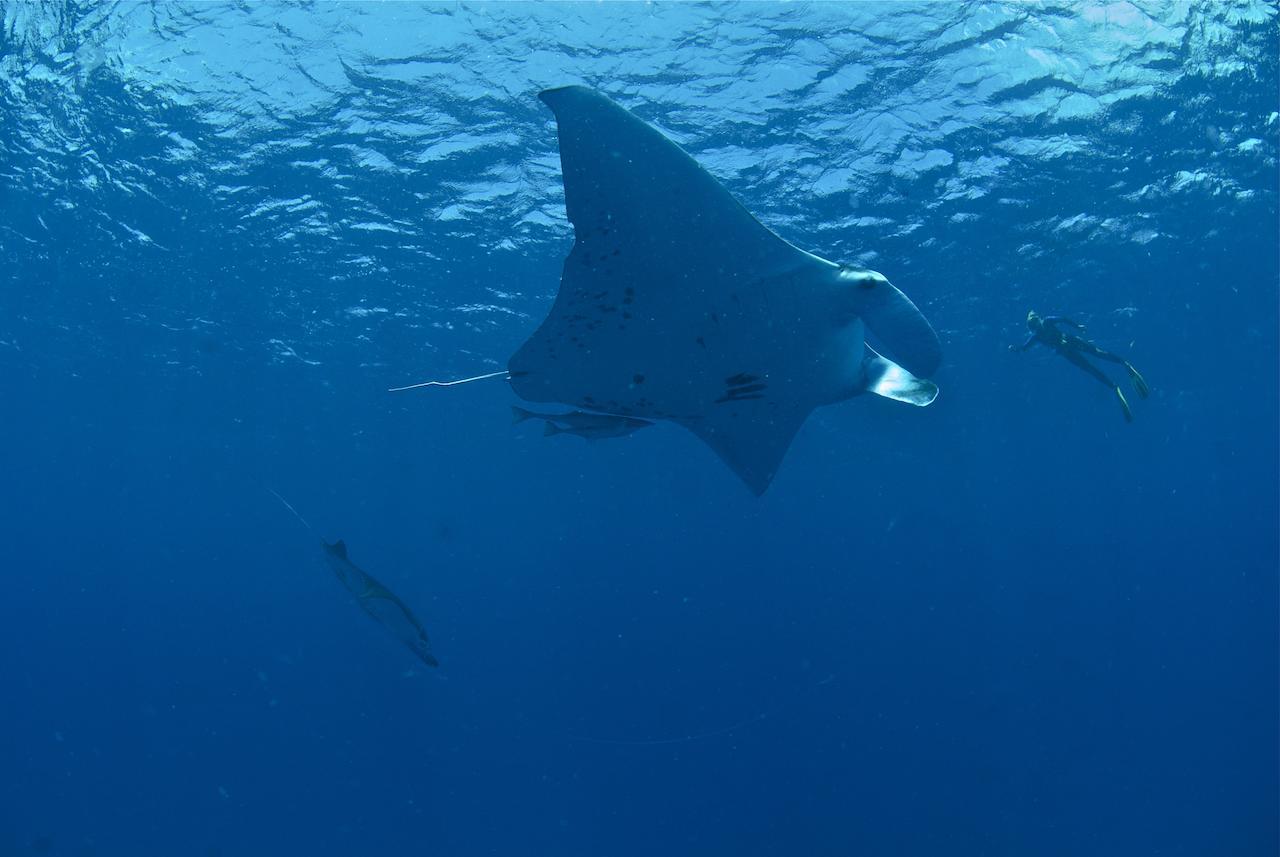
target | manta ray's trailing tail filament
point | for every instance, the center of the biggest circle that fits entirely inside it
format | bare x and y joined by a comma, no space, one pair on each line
289,506
446,383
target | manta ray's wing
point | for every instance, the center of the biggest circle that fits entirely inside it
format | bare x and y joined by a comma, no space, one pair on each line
754,454
629,189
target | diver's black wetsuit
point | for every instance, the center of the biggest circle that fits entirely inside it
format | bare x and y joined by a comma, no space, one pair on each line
1046,332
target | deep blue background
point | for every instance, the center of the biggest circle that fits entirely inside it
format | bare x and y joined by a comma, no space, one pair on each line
1006,624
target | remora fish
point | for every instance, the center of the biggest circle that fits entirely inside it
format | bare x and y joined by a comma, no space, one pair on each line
582,424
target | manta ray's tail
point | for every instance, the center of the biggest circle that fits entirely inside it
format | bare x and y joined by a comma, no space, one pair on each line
289,506
421,384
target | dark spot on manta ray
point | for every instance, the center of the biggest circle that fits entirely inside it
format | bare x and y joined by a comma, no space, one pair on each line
867,284
637,379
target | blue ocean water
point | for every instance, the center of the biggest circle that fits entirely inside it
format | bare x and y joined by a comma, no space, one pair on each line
1006,624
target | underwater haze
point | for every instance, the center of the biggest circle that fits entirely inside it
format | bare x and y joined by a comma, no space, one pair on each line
1009,623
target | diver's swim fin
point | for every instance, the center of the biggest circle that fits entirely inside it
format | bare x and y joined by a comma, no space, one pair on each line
1139,383
1124,403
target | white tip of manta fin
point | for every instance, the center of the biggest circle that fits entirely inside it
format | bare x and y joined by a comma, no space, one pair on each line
888,379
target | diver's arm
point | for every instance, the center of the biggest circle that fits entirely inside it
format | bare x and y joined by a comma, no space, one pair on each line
1031,340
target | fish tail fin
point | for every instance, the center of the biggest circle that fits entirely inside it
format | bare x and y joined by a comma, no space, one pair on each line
550,428
519,415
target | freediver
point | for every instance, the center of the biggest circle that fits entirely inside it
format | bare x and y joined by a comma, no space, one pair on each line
1074,348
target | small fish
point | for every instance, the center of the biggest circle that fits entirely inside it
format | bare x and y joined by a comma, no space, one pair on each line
582,424
374,598
379,602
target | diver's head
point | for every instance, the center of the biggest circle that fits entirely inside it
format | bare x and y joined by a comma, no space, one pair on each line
1034,321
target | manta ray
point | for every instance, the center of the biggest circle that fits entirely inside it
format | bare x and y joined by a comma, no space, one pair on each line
374,599
379,602
677,304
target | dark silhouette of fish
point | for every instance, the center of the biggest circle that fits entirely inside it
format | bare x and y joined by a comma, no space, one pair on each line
379,602
583,424
374,598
